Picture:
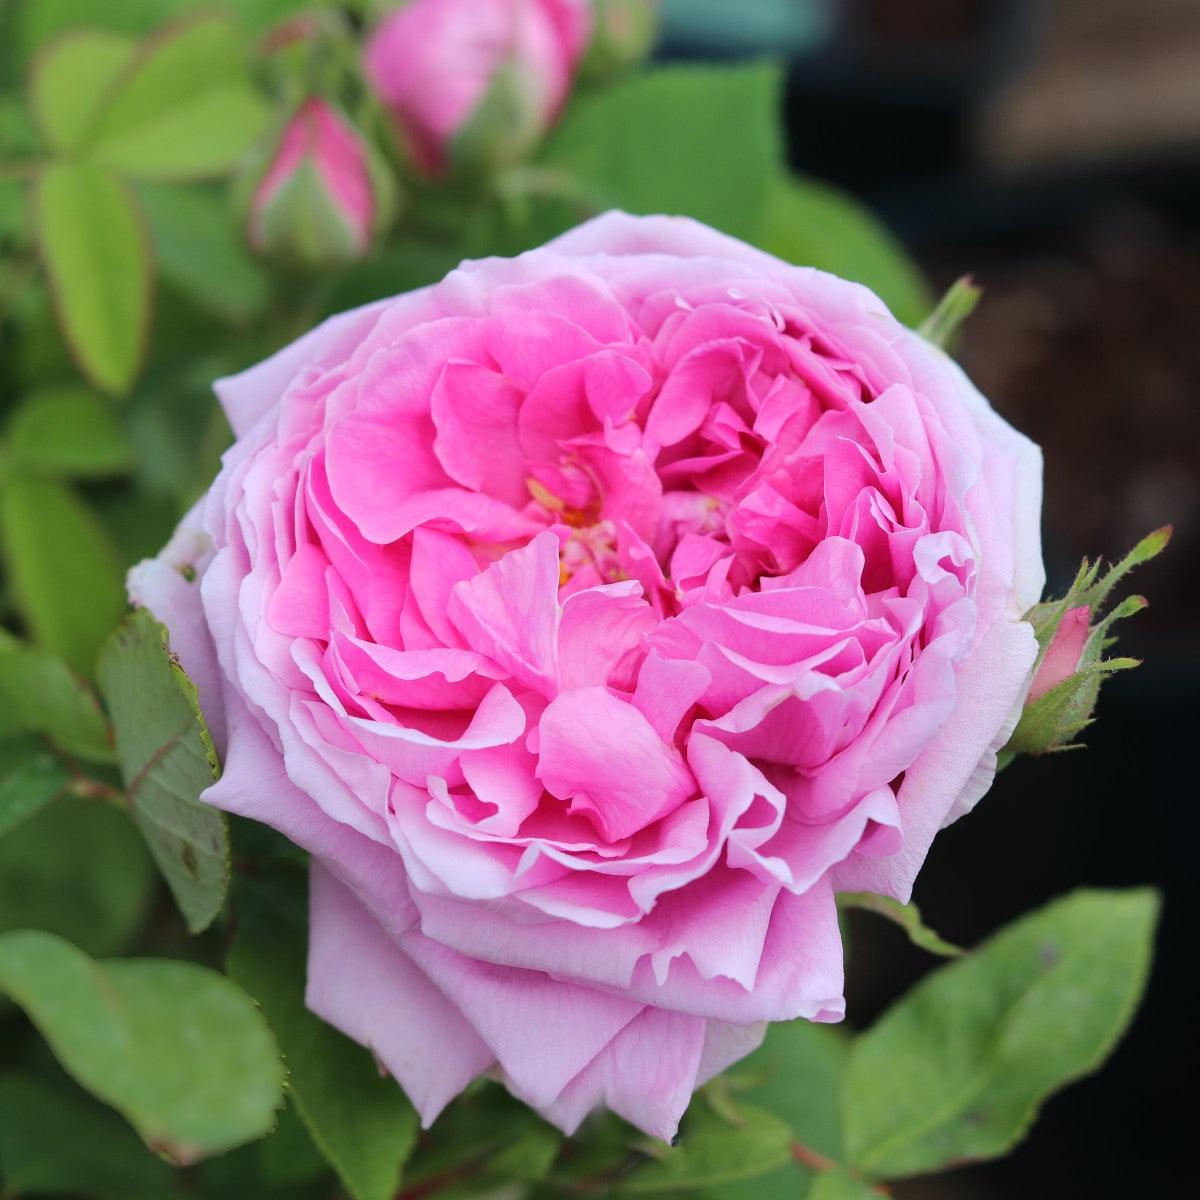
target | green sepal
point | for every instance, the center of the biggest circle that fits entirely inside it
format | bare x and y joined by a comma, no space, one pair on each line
1051,722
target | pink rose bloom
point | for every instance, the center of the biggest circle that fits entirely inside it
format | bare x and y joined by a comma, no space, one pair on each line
592,617
1062,656
433,63
316,189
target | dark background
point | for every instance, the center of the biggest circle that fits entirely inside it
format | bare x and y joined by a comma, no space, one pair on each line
1052,150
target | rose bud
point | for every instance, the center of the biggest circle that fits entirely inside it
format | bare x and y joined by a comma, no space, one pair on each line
1073,633
1065,652
623,33
474,84
320,196
591,618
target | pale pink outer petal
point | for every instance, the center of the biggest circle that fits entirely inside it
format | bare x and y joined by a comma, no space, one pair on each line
542,1032
361,982
160,585
254,784
646,1074
252,393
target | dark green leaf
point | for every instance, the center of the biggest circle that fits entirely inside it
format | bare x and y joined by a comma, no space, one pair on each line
30,777
180,1050
814,225
55,1139
360,1121
185,108
65,574
167,759
701,141
956,1069
67,430
69,83
76,868
907,916
98,262
200,249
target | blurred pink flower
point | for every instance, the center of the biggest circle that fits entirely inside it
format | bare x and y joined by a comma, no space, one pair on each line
316,196
436,63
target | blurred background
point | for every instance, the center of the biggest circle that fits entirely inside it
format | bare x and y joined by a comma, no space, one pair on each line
1052,150
1049,148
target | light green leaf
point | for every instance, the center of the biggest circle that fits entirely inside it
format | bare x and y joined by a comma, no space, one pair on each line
67,430
956,1069
167,759
185,109
200,249
77,868
39,694
55,1139
179,1050
702,141
30,777
359,1120
69,83
813,224
710,1153
65,573
907,916
942,325
95,251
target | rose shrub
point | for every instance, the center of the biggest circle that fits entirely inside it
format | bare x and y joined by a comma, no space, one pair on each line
592,617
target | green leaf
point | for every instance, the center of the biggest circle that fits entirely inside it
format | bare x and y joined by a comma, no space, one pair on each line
797,1075
359,1120
54,1138
185,109
710,1152
67,430
840,1185
167,759
41,695
957,1068
179,1050
200,249
942,325
813,224
94,248
77,868
69,83
30,777
702,141
65,573
907,916
486,1124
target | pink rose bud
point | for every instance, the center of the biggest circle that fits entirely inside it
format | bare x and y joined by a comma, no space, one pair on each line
475,83
623,33
1064,654
317,201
